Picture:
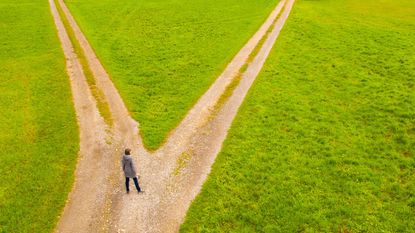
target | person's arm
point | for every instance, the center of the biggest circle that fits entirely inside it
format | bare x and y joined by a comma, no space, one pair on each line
123,164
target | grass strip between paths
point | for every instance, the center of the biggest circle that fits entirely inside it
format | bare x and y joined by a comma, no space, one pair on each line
102,104
236,80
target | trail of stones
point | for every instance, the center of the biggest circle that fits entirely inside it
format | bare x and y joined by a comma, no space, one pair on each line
173,175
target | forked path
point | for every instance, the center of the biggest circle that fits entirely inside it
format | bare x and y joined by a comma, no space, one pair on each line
174,174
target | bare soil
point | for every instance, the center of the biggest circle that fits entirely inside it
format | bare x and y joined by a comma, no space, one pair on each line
173,175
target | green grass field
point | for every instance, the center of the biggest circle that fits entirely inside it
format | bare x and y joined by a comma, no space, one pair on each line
325,141
38,130
163,55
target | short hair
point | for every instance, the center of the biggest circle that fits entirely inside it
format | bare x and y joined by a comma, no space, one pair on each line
127,151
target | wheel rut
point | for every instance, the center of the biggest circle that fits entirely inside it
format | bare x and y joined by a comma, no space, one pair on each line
173,175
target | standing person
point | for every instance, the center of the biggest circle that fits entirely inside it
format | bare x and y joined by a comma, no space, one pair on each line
129,170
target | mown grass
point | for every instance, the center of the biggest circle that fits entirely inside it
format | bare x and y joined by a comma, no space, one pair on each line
325,141
38,131
163,55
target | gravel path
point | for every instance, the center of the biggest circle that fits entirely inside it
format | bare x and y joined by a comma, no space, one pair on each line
97,202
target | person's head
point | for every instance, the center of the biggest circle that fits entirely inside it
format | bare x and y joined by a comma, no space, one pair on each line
127,151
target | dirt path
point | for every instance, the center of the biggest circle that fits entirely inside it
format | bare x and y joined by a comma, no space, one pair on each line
89,205
98,202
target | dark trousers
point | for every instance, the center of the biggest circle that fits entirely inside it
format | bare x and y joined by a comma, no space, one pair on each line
127,184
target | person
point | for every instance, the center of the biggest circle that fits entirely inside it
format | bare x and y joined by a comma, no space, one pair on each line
129,171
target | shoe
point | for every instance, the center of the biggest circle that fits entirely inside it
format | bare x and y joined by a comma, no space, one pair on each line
128,192
141,191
